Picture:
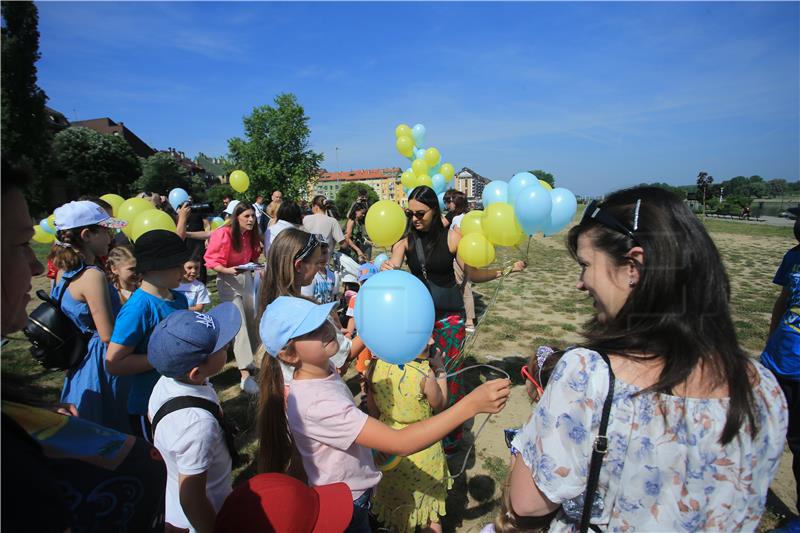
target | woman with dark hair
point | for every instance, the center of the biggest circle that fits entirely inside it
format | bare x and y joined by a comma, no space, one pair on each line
694,428
288,215
430,250
456,204
237,243
319,222
354,234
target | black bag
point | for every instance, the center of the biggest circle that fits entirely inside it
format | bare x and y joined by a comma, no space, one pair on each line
445,299
58,344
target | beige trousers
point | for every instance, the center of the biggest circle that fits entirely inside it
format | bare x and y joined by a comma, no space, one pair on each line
469,302
238,289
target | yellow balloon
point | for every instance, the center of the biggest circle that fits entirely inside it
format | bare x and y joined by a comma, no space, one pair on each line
476,250
385,223
51,221
215,224
432,157
424,180
405,145
500,224
546,185
150,220
239,180
402,130
41,236
471,223
447,171
420,167
129,209
115,200
408,179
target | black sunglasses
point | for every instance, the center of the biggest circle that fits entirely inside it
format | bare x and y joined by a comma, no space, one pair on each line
313,241
417,214
595,212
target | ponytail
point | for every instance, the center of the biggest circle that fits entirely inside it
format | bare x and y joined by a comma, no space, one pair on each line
67,253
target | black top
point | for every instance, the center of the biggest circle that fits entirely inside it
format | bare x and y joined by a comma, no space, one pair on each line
438,259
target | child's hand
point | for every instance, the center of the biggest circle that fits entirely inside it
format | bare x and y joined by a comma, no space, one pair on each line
490,397
437,360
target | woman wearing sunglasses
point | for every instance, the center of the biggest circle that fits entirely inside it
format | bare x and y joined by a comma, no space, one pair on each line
236,243
430,250
695,430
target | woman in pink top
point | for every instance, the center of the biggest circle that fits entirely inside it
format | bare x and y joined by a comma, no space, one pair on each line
237,243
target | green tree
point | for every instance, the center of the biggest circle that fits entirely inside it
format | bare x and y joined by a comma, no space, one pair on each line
26,138
704,181
546,176
348,193
161,173
276,152
92,163
777,187
215,194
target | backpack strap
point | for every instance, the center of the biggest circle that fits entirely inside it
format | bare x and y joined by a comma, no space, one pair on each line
599,449
186,402
67,280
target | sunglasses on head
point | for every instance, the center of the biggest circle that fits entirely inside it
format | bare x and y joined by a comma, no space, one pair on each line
313,241
416,214
595,212
536,383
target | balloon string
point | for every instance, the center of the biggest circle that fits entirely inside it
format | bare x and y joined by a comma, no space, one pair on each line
433,485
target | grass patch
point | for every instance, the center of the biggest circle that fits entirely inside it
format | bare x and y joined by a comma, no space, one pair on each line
496,467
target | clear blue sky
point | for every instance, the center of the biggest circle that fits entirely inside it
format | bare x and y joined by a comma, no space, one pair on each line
602,95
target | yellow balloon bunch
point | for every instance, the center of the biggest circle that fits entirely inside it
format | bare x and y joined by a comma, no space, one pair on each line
426,163
150,220
114,200
129,209
41,236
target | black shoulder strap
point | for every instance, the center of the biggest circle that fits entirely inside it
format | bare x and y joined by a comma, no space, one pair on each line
599,449
185,402
420,256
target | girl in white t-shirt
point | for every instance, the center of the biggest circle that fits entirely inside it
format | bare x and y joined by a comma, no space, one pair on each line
317,433
323,289
196,293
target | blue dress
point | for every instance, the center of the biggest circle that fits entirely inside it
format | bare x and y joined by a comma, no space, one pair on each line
99,396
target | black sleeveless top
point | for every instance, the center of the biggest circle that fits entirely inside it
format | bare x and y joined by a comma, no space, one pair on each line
438,259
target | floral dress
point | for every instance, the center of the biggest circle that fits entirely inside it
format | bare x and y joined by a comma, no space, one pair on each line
665,469
413,492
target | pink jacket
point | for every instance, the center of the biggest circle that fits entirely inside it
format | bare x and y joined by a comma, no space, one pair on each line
220,250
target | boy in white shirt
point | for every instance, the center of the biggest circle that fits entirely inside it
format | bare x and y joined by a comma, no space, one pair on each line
196,293
187,348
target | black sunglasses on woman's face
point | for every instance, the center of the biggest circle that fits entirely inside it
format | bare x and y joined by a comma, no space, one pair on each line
595,212
416,214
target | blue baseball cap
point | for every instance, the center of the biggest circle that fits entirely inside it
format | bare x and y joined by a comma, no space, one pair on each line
185,339
84,213
366,271
287,318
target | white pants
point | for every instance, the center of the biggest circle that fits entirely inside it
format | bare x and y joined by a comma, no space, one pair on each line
239,290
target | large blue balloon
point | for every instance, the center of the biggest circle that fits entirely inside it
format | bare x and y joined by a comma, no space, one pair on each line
520,181
394,316
418,132
177,197
533,208
439,183
495,191
564,207
379,261
46,227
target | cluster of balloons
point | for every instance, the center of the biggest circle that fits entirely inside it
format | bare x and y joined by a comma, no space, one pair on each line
512,212
426,166
394,315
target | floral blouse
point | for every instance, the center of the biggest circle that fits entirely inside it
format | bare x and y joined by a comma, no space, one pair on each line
665,469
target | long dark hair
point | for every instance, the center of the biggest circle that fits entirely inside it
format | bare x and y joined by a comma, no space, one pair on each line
459,199
679,310
358,206
290,212
427,196
236,231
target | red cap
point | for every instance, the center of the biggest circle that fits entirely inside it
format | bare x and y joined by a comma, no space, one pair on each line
277,502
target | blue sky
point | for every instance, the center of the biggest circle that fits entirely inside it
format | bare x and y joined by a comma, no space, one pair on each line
602,95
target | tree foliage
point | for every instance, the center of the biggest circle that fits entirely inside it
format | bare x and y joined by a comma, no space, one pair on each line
92,163
215,194
545,176
348,193
704,181
161,173
276,151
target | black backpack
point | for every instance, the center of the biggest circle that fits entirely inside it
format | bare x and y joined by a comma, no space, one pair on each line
57,343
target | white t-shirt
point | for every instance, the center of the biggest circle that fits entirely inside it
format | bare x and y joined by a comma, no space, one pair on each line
325,423
273,231
322,288
456,223
191,442
195,292
324,225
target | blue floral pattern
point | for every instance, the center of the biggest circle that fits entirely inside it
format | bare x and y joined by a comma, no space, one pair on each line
665,469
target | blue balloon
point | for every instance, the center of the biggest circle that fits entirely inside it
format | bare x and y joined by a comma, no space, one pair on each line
177,197
439,183
440,196
564,207
520,181
418,132
419,153
46,227
394,316
533,207
435,170
379,261
495,191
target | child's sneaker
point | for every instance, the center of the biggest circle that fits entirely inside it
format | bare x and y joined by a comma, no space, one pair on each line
249,385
